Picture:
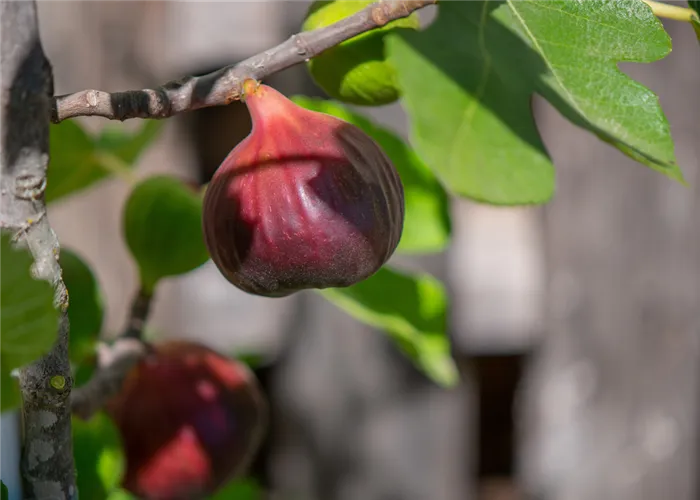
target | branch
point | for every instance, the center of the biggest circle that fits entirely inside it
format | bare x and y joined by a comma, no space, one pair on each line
226,85
114,362
47,459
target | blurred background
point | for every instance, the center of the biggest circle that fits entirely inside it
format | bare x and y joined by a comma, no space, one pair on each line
576,325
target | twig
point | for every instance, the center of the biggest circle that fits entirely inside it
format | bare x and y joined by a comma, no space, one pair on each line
140,309
47,458
225,85
114,361
674,12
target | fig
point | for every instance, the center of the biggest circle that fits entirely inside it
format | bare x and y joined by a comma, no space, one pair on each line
162,225
190,420
356,71
305,201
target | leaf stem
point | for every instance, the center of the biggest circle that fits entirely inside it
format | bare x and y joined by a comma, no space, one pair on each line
140,309
116,166
660,9
115,361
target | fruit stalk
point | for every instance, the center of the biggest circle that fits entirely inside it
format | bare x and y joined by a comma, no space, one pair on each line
225,85
114,362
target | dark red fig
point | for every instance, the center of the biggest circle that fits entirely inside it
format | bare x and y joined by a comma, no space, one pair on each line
190,420
305,201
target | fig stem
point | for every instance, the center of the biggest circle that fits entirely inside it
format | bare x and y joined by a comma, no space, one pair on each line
114,361
226,84
140,309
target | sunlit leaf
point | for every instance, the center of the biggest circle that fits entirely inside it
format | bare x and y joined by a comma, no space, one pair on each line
412,309
469,78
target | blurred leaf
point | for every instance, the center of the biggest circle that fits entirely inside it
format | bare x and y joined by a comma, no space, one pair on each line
695,21
696,26
162,225
412,309
78,160
10,396
99,460
4,494
126,146
72,162
469,78
427,225
28,320
86,309
252,360
240,489
83,371
121,494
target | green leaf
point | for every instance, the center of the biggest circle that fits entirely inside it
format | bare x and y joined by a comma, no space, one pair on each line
121,494
28,319
78,160
695,20
240,489
99,460
10,396
72,164
4,493
127,146
162,224
468,80
355,71
412,309
84,370
427,225
250,359
86,309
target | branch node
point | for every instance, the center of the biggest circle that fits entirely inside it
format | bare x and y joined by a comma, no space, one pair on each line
302,47
30,187
91,98
26,226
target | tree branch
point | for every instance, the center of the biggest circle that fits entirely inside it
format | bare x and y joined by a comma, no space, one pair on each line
47,458
225,85
114,361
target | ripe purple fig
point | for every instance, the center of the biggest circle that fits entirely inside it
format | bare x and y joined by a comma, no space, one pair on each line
190,420
305,201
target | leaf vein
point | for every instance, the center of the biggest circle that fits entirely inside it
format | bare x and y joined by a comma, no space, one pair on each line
468,118
543,6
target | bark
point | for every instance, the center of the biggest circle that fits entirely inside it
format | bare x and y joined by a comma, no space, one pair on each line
47,460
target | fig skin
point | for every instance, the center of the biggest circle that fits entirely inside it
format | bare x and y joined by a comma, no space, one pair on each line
306,201
190,420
